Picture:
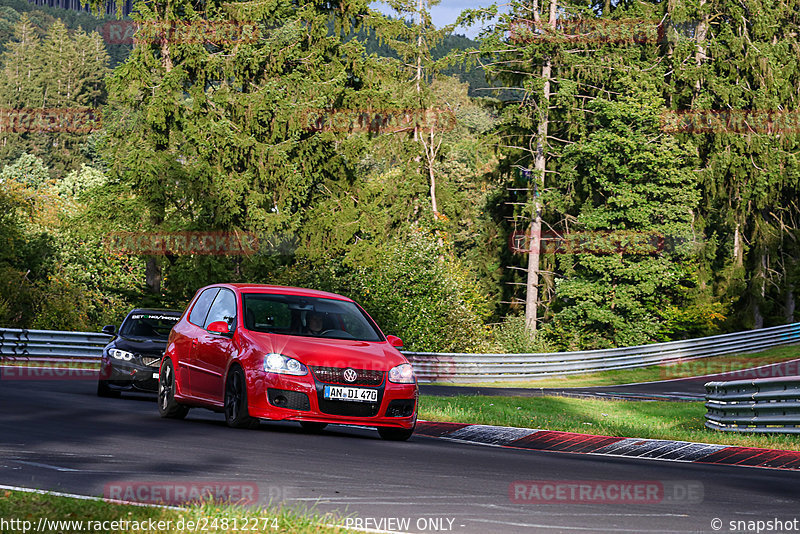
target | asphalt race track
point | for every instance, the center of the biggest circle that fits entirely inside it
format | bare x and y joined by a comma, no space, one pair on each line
58,435
683,389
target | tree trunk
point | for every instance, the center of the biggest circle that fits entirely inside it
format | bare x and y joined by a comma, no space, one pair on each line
152,275
701,31
539,166
789,304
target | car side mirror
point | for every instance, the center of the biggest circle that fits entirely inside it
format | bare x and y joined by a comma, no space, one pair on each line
219,327
109,329
395,341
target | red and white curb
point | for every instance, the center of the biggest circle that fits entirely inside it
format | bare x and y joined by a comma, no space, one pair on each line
655,449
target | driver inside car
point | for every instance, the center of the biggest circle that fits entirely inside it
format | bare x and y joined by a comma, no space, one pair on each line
314,324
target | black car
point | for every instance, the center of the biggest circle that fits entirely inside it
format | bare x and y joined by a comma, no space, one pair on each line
131,360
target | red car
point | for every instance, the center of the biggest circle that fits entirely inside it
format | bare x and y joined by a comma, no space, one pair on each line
285,353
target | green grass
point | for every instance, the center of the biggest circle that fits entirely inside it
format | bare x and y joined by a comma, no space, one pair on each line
682,421
25,506
699,367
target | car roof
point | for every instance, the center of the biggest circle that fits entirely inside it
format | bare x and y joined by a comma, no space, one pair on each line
285,290
155,310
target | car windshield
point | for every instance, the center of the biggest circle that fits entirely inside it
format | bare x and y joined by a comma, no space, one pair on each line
148,325
307,316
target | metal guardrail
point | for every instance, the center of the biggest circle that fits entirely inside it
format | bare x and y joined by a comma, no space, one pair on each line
466,368
41,347
769,405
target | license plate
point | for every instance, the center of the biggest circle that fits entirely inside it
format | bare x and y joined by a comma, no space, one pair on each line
155,375
351,394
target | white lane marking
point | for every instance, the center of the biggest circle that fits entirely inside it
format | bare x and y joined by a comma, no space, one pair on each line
46,466
84,497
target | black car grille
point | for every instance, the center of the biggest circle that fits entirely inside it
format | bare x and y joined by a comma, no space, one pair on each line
335,375
351,409
284,398
150,360
400,408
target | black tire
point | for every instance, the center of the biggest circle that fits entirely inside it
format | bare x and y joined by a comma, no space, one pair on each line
167,405
311,427
104,390
395,434
236,413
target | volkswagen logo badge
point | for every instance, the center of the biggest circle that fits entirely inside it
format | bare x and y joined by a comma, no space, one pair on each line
350,375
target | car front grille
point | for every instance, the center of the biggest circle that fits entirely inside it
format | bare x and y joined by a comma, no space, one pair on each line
151,360
335,375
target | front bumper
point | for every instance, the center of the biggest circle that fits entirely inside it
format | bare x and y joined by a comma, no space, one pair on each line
129,375
299,398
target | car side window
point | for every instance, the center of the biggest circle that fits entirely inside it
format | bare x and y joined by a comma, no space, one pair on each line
200,309
223,309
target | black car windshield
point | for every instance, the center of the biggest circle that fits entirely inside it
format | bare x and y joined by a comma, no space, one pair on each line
297,315
148,325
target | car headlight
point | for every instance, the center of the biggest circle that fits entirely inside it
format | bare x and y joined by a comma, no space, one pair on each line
278,363
120,354
402,374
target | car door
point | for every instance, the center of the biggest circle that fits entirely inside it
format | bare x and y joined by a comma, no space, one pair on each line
192,333
213,349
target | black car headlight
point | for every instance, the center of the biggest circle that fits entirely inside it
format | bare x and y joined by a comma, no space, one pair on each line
120,354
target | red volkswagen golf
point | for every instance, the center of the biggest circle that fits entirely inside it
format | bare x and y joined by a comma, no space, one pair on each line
285,353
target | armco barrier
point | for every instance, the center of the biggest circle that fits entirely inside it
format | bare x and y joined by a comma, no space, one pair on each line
769,405
466,368
40,346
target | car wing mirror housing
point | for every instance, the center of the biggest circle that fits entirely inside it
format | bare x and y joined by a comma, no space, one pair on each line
109,329
219,327
395,341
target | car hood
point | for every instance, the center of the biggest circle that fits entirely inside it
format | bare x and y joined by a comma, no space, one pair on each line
327,352
144,346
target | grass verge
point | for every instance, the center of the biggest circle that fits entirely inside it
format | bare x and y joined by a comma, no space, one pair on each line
67,515
682,421
699,367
